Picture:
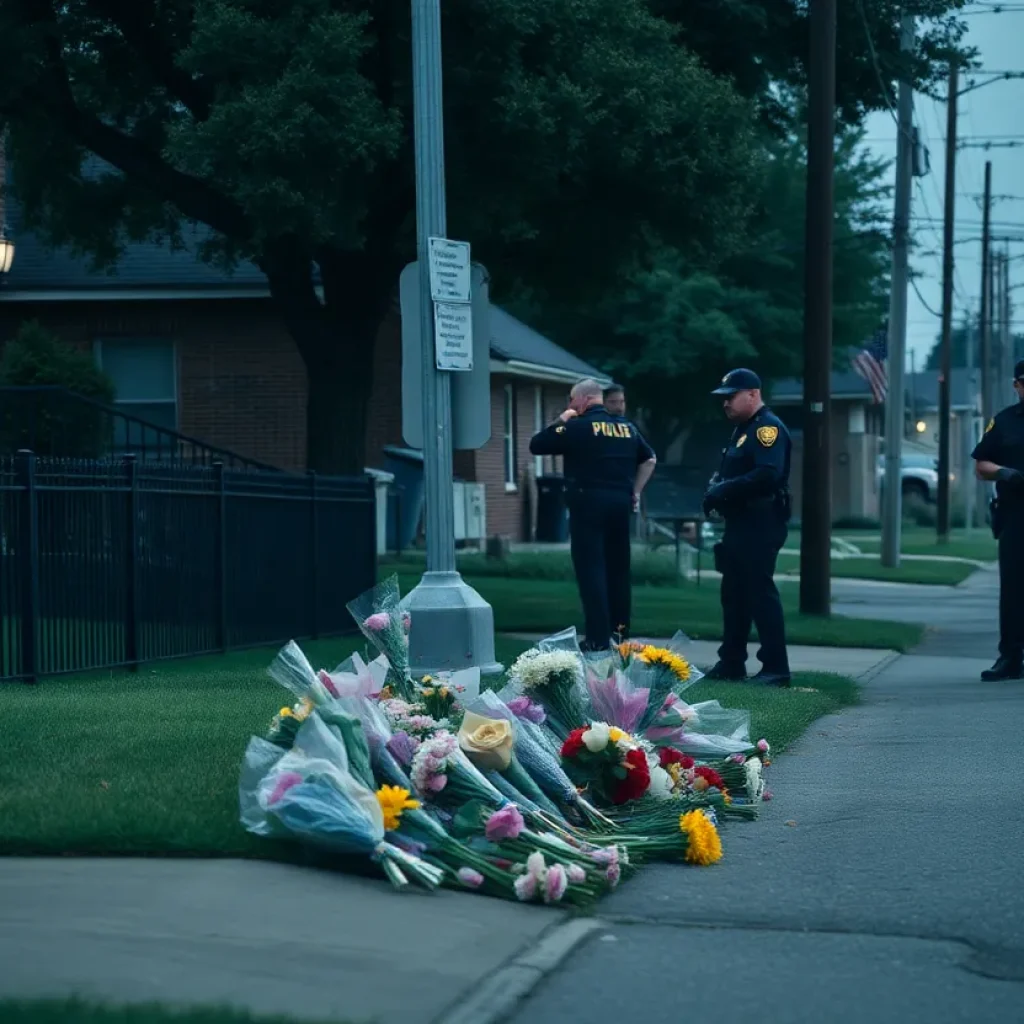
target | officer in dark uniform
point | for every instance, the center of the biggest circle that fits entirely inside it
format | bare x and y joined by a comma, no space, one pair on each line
607,466
999,456
751,493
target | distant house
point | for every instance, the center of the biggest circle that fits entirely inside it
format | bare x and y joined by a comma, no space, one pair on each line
195,349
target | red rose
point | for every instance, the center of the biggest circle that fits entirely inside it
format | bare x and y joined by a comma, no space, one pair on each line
669,755
573,744
638,778
710,776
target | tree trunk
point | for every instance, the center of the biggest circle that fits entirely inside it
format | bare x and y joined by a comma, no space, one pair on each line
336,338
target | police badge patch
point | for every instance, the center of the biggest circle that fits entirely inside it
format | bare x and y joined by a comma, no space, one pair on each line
767,435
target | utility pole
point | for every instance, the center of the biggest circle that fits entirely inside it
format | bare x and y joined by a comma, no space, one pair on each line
452,626
946,363
892,495
986,308
1008,360
816,511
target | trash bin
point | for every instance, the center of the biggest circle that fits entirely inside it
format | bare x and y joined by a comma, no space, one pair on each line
552,510
406,464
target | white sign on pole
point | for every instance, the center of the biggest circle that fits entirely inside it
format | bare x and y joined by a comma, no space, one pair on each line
449,271
453,335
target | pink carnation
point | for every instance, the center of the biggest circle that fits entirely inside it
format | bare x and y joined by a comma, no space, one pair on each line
504,824
766,794
467,876
613,874
406,621
576,874
377,622
555,884
737,758
523,707
437,782
526,887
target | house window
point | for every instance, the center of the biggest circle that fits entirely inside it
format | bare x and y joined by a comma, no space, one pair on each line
510,437
538,426
145,380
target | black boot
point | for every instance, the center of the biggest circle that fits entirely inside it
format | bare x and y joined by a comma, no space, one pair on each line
724,673
766,678
1004,668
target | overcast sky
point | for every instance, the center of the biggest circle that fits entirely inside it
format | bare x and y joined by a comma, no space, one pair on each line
994,113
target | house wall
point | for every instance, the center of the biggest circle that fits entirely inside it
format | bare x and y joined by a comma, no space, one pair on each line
240,383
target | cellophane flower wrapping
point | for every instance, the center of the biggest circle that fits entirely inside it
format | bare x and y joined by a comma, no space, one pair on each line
662,669
703,730
355,678
552,674
616,699
380,618
442,774
378,734
310,794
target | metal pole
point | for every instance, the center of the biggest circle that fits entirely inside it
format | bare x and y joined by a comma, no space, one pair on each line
452,626
892,497
986,309
1006,366
816,511
946,364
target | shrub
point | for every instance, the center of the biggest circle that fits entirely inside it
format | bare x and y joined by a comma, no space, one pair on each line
52,423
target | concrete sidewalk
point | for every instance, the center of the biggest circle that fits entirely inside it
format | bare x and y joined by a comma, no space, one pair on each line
272,938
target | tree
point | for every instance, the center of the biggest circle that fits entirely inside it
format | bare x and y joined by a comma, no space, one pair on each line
578,134
964,346
675,327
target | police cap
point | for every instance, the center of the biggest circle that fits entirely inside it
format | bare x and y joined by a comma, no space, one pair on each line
738,380
1018,371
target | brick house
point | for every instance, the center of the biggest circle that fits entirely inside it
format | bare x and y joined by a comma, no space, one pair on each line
192,348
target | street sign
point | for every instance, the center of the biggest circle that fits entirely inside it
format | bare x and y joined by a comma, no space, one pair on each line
470,389
449,270
453,335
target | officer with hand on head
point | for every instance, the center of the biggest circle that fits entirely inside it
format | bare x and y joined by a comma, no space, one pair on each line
607,466
750,492
999,456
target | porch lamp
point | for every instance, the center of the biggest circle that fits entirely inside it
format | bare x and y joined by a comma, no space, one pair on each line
6,253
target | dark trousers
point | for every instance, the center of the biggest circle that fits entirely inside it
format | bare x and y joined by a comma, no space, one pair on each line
600,545
1011,585
746,558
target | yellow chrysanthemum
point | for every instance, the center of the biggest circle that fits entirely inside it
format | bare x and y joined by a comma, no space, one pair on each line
630,647
443,692
285,713
703,845
615,734
661,656
393,800
428,691
427,679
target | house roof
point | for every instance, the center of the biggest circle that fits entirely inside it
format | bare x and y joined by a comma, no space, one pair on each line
845,384
39,272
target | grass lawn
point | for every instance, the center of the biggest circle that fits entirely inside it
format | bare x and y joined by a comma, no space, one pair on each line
947,574
530,606
75,1011
979,545
148,764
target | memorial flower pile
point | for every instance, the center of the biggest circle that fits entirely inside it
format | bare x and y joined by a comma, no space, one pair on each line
549,790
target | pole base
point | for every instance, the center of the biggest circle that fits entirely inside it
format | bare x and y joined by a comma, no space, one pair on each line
452,627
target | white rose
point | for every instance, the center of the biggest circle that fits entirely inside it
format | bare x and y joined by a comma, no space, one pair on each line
595,739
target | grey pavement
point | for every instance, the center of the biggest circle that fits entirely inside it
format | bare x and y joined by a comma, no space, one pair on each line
269,937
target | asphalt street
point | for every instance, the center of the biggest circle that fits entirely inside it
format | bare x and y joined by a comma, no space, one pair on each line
883,883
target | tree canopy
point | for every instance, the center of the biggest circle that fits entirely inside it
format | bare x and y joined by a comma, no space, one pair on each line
589,143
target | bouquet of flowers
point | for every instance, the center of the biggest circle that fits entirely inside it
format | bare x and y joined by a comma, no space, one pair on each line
663,671
382,621
705,730
310,794
608,761
615,699
551,675
442,774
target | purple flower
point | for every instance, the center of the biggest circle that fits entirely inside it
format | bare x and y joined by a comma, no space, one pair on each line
766,794
613,874
467,876
576,874
436,783
377,622
555,883
523,707
402,747
504,824
737,758
762,745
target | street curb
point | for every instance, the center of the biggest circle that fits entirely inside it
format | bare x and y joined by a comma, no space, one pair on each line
495,998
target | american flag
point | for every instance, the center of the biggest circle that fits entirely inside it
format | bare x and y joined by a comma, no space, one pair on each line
870,363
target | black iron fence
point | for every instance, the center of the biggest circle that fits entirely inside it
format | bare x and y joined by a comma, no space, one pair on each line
53,421
115,563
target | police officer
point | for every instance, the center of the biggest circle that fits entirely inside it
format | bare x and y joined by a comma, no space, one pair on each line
751,493
607,466
999,456
615,400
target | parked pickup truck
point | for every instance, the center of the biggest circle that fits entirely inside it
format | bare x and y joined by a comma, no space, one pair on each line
919,478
